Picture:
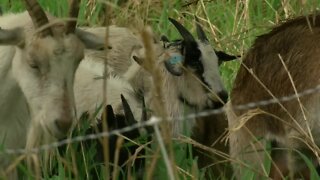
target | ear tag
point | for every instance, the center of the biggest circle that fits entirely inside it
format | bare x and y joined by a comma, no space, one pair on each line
175,59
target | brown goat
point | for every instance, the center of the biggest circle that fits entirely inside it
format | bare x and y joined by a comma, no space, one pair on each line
280,63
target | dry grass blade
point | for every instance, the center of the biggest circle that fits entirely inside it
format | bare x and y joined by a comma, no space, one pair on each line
149,64
14,164
219,153
119,144
243,119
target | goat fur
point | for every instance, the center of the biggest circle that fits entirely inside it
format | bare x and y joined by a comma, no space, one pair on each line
296,43
24,122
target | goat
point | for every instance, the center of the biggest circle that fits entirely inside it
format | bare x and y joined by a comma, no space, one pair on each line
182,62
37,68
280,63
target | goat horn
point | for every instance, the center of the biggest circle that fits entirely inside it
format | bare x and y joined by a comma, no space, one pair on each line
127,111
200,32
74,7
186,35
38,17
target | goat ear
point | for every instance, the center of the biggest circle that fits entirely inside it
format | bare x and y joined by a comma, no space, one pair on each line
111,118
141,61
200,32
90,40
12,37
222,56
137,59
173,63
127,111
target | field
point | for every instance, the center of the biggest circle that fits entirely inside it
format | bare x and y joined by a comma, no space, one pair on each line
231,26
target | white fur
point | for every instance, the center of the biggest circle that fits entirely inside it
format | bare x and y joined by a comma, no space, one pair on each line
36,84
88,90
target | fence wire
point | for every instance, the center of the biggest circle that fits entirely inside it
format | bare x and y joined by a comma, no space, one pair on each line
156,120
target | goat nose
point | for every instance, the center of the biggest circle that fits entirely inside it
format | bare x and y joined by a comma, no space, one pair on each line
63,125
223,95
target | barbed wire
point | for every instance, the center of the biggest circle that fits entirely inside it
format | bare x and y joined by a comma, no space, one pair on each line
156,120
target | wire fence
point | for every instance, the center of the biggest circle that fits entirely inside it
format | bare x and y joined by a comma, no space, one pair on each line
153,121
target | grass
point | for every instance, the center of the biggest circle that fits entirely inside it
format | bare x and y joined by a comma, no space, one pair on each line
230,25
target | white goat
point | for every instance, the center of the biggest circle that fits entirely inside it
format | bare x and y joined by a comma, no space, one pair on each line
88,86
37,68
123,42
88,90
280,63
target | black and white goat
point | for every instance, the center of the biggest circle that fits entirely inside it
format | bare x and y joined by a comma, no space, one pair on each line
191,76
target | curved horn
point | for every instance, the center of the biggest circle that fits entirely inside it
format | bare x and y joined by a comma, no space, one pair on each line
127,111
200,32
111,118
74,7
187,36
38,16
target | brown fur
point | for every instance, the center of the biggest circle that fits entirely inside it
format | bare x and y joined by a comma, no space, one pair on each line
299,46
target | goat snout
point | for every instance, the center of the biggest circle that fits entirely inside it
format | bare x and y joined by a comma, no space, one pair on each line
223,95
218,103
63,124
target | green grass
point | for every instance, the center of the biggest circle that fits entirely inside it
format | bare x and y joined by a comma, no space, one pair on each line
231,25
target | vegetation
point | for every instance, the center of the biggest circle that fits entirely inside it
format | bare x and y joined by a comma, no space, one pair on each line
231,25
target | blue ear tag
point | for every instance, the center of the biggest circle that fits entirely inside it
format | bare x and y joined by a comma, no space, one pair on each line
175,59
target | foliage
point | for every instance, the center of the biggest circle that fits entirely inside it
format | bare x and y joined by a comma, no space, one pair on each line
231,25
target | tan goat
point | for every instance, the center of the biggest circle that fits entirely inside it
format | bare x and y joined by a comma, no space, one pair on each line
280,63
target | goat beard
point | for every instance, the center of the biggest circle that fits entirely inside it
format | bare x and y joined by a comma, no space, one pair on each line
37,136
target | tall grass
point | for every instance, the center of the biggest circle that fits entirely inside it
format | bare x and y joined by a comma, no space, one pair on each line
231,25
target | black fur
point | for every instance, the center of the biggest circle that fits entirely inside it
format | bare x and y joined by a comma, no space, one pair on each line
114,121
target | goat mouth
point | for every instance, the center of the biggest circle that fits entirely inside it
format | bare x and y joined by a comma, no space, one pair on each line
217,105
54,132
211,104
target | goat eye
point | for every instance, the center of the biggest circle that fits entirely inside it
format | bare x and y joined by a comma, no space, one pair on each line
34,66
